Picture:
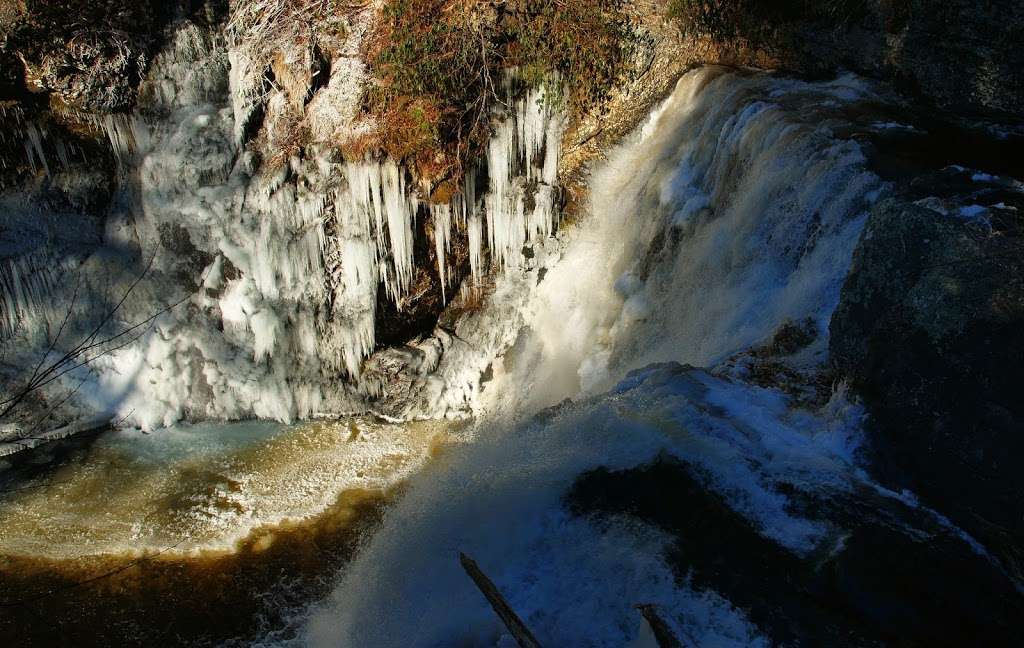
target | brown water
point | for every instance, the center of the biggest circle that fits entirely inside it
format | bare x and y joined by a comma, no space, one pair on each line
200,536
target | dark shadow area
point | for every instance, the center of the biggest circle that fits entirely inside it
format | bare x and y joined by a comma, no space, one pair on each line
204,600
892,578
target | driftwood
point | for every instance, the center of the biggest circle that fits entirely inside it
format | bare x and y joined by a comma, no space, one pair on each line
663,633
515,625
664,636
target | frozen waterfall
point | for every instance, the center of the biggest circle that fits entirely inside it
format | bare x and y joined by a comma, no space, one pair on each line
279,266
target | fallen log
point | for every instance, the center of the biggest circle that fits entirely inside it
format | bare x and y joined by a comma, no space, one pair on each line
515,625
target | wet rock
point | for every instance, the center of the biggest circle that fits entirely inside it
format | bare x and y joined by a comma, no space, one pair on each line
875,583
782,363
930,328
788,339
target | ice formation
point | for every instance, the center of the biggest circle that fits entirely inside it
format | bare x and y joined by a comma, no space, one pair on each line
24,283
278,272
123,133
522,164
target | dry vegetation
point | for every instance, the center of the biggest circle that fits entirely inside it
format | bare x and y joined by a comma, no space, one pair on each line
91,52
259,30
437,65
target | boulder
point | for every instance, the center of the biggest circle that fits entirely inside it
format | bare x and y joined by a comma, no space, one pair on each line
930,328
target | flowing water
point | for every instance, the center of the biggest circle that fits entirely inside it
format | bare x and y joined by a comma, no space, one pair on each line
194,533
739,506
604,469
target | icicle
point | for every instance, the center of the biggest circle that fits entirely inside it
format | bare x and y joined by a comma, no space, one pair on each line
266,328
552,148
442,217
63,155
25,283
355,303
533,129
126,133
34,148
401,211
520,174
474,229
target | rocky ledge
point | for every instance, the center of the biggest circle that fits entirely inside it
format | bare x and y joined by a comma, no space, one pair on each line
930,329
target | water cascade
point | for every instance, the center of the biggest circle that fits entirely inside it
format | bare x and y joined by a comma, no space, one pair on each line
732,212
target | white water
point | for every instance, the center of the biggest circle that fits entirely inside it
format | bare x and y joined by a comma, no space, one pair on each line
573,582
726,215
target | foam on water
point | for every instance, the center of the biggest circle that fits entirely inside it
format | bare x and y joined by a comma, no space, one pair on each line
203,487
573,580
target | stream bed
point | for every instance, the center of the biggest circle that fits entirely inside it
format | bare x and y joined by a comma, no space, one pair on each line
193,535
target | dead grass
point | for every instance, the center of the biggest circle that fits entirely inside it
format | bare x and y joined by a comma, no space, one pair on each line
436,66
260,29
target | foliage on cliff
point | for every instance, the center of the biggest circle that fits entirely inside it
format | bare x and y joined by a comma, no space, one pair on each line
260,30
437,67
89,54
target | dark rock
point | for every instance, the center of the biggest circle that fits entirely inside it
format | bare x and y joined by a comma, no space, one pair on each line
90,54
788,339
931,330
83,189
963,56
426,304
190,261
776,364
891,577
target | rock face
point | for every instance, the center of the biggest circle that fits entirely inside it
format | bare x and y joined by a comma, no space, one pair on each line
88,54
962,56
929,327
853,595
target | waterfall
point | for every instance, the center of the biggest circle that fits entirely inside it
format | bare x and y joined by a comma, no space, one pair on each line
736,208
727,214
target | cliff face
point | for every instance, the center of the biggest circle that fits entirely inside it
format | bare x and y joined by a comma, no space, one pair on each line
60,59
929,327
960,56
88,54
